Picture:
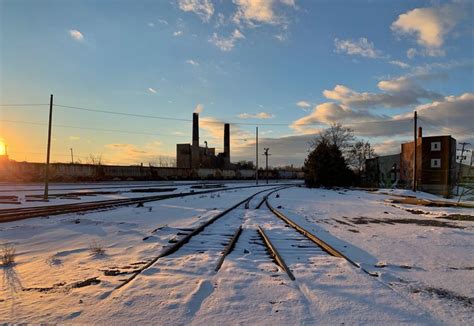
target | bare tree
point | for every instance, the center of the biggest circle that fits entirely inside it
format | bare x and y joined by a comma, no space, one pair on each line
357,153
162,161
95,159
336,135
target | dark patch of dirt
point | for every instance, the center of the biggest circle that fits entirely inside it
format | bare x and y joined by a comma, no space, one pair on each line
462,268
353,230
445,294
459,217
62,286
367,220
416,211
115,272
81,284
342,222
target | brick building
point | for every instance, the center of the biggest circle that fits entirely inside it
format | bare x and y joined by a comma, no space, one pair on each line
436,163
436,166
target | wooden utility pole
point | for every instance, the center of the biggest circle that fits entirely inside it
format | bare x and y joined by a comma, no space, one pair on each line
72,156
256,155
265,152
48,151
414,151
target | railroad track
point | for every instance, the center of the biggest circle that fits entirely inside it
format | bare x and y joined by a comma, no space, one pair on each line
220,236
14,214
216,238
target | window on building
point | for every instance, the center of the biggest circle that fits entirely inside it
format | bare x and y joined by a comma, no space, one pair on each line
435,163
435,146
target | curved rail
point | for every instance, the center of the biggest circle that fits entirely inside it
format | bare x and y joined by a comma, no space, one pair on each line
175,247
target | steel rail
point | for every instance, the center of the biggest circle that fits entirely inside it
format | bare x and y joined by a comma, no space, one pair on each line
322,244
175,247
228,249
274,252
14,214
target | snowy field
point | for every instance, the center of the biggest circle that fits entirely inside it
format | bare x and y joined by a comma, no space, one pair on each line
67,267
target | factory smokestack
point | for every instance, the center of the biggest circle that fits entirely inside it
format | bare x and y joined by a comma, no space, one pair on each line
227,141
195,129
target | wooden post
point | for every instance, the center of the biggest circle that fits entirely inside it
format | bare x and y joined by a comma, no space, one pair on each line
48,151
414,152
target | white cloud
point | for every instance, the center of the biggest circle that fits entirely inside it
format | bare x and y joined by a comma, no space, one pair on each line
76,35
199,108
192,62
252,12
203,8
152,90
150,24
226,43
401,64
260,115
162,21
328,113
429,26
303,104
178,33
397,92
361,47
451,115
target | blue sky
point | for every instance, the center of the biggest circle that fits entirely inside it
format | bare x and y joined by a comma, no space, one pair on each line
300,65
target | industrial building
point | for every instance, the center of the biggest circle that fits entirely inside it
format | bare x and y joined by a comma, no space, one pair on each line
193,156
436,166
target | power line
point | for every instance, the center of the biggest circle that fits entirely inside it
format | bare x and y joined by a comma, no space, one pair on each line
204,119
26,104
122,113
94,129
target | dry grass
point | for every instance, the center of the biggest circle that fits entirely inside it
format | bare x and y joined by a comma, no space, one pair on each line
96,248
7,255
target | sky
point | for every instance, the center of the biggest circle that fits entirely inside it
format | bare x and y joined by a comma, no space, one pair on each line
290,67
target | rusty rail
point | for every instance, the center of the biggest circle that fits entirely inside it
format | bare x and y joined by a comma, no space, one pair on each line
274,252
230,246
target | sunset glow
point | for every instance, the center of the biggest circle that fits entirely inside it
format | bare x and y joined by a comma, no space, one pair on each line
2,148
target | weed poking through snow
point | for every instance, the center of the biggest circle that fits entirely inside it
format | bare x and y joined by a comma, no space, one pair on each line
7,255
96,248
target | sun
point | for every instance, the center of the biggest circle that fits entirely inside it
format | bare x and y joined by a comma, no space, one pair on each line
2,148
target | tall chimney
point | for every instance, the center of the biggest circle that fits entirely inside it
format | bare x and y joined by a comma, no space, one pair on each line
195,129
420,132
227,141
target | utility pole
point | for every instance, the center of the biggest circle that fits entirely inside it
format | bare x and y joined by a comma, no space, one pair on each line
72,156
461,158
48,151
256,155
415,143
265,150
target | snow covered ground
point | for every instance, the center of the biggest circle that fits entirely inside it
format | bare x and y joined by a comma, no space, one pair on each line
426,268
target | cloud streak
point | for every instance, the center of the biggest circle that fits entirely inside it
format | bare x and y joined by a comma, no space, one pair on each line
226,44
361,47
260,115
203,8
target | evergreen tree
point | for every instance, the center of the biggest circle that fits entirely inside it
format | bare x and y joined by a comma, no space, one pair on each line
326,166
